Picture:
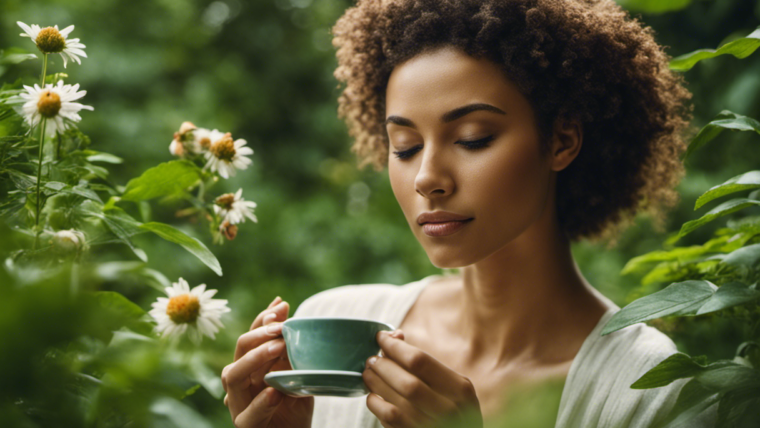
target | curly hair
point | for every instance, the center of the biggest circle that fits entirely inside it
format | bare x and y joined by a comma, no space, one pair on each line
585,60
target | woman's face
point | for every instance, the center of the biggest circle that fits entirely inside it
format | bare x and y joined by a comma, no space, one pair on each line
504,186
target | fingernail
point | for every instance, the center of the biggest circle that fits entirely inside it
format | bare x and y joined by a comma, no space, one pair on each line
372,360
270,317
396,333
277,300
273,329
276,348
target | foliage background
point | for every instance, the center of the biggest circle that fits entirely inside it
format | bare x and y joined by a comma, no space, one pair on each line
263,70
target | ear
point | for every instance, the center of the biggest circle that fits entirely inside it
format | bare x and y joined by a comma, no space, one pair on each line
566,143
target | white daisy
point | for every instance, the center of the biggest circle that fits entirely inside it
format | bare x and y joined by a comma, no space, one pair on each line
225,156
183,141
188,311
53,40
54,103
233,208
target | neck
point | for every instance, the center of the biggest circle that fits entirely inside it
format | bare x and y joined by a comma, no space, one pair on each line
526,302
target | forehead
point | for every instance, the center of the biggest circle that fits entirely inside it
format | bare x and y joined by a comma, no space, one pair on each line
447,78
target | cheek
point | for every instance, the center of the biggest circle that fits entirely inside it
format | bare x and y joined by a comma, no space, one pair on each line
510,187
402,184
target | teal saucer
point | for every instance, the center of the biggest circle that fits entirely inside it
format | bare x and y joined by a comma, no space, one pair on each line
305,383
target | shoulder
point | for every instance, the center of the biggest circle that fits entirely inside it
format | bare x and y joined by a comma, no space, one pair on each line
607,366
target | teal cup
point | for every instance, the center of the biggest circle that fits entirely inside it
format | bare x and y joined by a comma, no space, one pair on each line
331,343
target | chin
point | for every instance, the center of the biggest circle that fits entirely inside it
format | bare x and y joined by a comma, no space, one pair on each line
448,258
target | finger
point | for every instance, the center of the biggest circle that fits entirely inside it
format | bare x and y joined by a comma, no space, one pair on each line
247,373
261,409
424,366
256,337
378,386
282,309
389,415
405,390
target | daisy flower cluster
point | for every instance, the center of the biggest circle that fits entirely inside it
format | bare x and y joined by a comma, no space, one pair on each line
224,156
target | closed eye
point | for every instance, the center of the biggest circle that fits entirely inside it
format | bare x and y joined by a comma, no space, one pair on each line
469,144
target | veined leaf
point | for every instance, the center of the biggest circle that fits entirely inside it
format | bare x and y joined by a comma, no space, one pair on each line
76,190
119,222
163,179
191,244
676,366
680,298
680,254
725,208
692,400
726,119
740,48
728,295
14,56
746,181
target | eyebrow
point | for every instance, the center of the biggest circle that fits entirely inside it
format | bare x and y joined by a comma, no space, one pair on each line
449,116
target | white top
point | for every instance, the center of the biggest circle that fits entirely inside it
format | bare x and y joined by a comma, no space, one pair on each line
596,392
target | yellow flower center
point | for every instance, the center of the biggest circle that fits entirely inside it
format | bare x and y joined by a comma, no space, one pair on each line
225,201
49,104
224,148
205,143
184,308
50,40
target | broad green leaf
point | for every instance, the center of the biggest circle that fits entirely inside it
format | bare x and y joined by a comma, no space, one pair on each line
721,210
728,295
726,119
676,366
14,56
178,414
740,48
113,271
76,190
653,6
745,256
746,181
164,179
93,156
119,222
118,303
692,400
203,373
739,409
680,298
191,244
728,376
680,254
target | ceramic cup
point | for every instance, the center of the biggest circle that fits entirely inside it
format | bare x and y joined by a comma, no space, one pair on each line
331,343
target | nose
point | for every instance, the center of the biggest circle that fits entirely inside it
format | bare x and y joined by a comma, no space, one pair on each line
433,178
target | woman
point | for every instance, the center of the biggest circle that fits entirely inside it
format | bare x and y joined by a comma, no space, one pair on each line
510,128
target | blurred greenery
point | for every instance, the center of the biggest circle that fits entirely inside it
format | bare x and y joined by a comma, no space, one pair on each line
263,70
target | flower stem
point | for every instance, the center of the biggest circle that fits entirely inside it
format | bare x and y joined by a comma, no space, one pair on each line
39,179
44,69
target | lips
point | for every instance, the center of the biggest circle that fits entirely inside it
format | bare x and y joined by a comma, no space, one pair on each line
440,217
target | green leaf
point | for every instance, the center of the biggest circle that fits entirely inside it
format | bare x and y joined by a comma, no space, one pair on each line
653,6
727,376
93,156
680,298
680,254
164,179
726,119
739,409
14,56
203,373
191,244
118,303
746,181
76,190
119,222
676,366
721,210
745,256
729,295
692,400
740,48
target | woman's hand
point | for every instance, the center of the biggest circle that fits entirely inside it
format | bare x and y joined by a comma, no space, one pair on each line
251,402
416,389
